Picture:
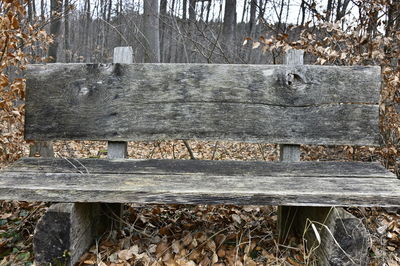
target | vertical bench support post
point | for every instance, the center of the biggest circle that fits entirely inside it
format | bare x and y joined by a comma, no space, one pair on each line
344,239
119,149
289,153
67,230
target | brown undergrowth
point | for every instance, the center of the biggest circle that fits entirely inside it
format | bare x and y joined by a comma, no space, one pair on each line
196,235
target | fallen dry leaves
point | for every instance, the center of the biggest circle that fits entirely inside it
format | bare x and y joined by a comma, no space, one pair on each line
196,235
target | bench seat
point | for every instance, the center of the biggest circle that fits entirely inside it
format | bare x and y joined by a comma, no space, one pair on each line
200,182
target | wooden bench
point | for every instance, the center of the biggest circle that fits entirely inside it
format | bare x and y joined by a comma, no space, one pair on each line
285,104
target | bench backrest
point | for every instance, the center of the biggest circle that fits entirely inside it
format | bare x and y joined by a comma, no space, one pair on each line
258,103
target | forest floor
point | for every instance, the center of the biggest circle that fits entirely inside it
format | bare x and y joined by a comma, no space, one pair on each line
202,234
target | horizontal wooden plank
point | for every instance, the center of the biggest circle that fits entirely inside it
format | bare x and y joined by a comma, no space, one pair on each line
154,182
202,167
278,104
200,189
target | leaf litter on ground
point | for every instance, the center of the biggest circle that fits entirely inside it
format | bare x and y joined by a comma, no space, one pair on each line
196,235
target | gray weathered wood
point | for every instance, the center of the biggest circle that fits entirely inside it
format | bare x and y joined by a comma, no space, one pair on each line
294,57
349,232
65,232
51,240
200,186
346,243
288,105
119,149
41,149
289,153
151,32
280,104
123,55
194,189
202,167
344,238
69,228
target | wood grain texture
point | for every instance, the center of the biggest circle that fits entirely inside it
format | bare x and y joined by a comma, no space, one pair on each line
294,57
41,149
67,228
278,104
51,239
123,55
201,187
344,229
289,153
119,149
201,167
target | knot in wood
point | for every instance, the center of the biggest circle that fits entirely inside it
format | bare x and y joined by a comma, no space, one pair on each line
294,81
83,91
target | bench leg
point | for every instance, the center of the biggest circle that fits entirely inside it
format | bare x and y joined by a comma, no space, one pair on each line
67,230
344,238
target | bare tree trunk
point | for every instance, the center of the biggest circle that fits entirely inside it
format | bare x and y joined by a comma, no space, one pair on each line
229,25
109,11
55,11
190,28
172,31
329,10
163,18
244,11
173,7
151,32
120,22
87,31
341,9
66,32
392,25
396,7
279,28
208,11
192,11
252,22
372,22
107,16
303,12
202,10
34,8
184,9
29,4
261,8
42,14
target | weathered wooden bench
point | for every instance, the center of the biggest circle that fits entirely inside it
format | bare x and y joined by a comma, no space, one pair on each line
284,104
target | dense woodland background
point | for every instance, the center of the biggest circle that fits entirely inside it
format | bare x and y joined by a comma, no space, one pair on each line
191,31
187,31
339,32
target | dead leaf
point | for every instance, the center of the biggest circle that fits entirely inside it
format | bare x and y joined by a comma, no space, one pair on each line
125,254
176,246
187,240
214,258
221,253
5,216
255,45
210,245
236,218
